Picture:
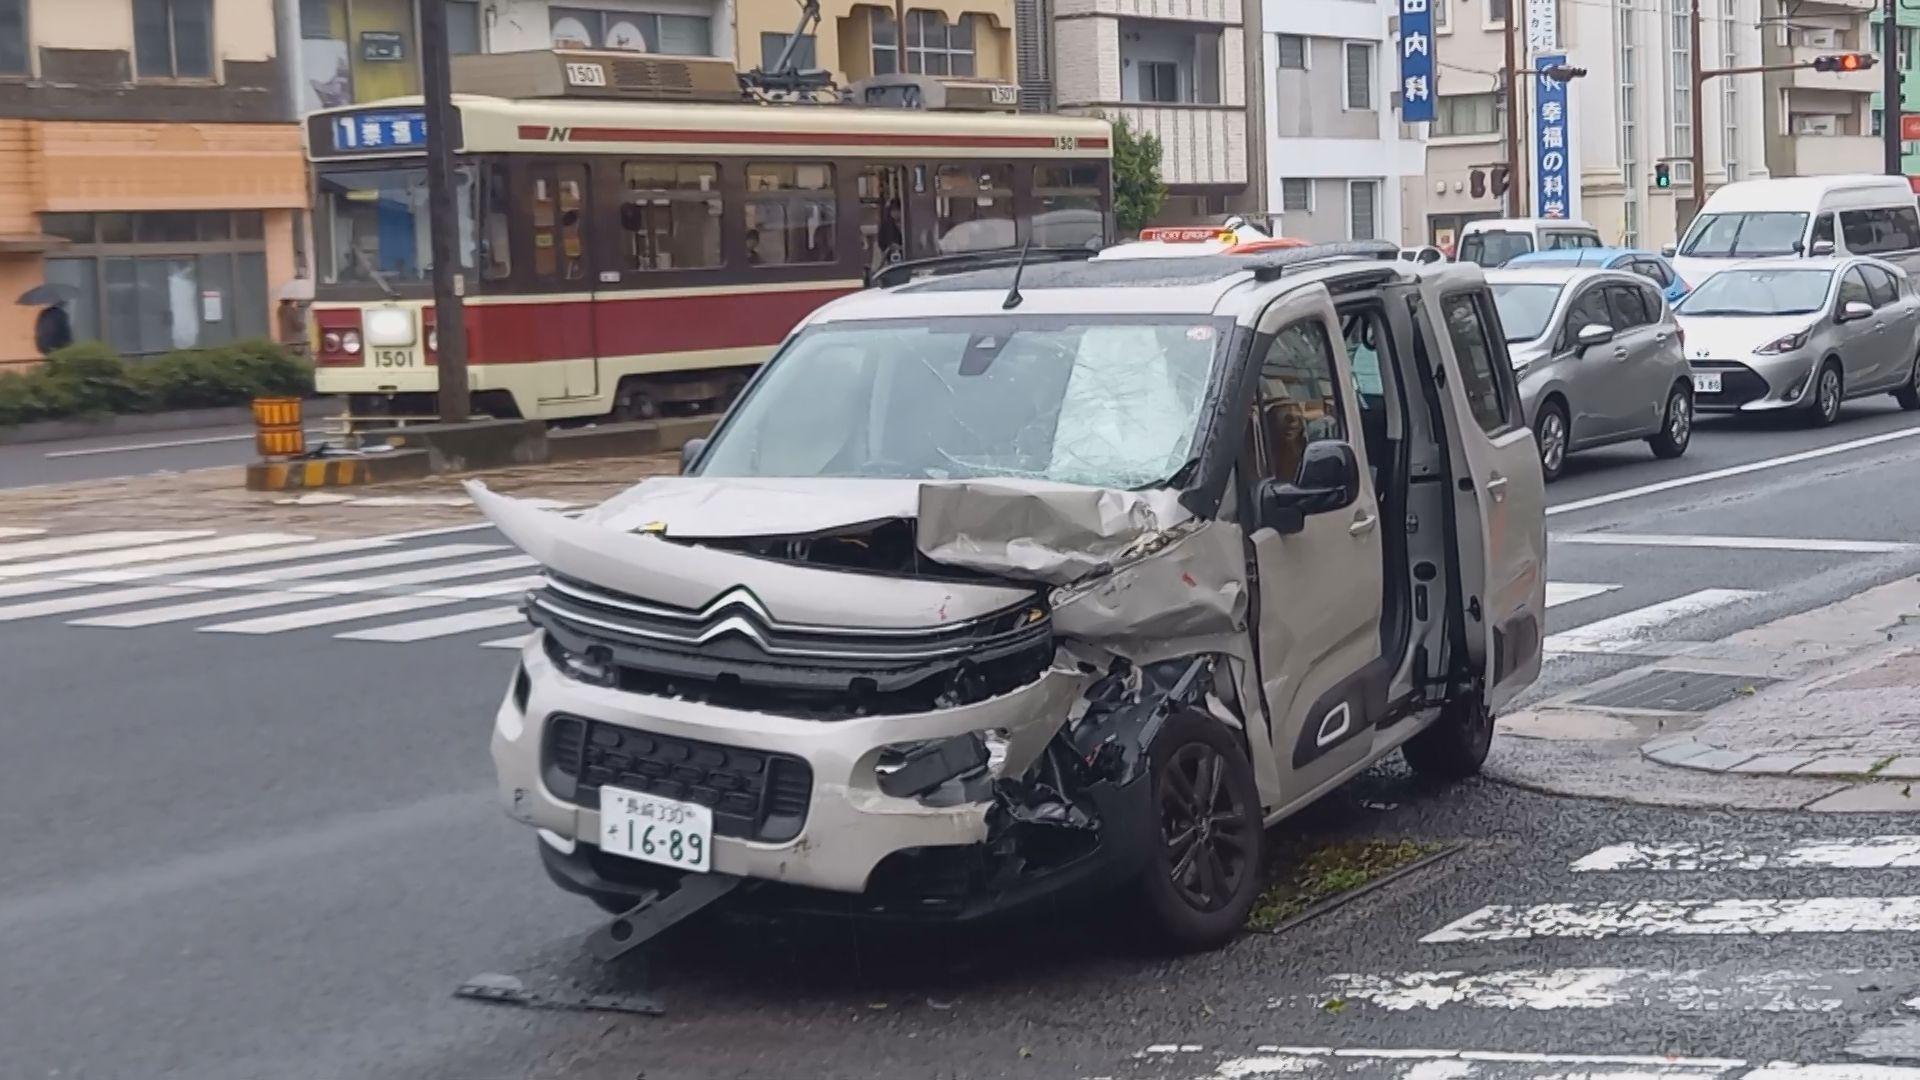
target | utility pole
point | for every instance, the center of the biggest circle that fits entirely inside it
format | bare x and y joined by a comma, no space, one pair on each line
900,35
1697,76
1892,108
1515,200
449,318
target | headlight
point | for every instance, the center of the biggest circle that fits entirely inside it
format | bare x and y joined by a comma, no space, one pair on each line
330,342
433,339
1786,344
350,342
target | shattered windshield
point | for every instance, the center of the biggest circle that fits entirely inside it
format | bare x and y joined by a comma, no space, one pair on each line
1113,402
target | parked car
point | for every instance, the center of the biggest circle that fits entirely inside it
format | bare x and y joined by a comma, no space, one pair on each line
1599,360
1049,576
1806,334
1491,242
1425,253
1805,216
1654,268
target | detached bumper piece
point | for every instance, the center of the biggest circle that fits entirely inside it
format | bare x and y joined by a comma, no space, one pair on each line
657,913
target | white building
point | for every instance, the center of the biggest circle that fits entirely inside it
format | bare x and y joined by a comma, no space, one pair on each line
1340,164
1820,122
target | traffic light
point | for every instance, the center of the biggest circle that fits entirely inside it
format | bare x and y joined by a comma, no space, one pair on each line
1477,184
1852,61
1662,176
1497,183
1561,73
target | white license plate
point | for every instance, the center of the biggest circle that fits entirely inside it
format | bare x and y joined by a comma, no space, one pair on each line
656,830
394,358
1706,384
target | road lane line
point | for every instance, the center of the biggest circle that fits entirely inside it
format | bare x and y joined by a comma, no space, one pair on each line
1293,1062
367,609
1566,592
302,594
150,554
1867,853
205,441
1604,987
1685,918
99,541
1633,627
1737,543
1733,470
8,532
192,586
519,641
443,626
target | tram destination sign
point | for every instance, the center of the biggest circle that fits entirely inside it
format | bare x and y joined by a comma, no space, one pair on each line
368,132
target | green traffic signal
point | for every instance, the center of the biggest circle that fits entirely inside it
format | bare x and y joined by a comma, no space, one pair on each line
1662,177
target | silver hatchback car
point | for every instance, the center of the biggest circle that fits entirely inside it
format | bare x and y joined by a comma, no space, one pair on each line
1803,334
1598,357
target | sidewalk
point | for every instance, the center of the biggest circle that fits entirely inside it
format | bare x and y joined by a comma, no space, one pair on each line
1817,711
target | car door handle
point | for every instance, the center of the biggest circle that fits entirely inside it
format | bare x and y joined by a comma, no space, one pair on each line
1619,354
1497,487
1662,337
1363,523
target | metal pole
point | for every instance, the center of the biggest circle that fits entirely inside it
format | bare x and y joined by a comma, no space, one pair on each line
1891,105
1697,161
1513,113
900,36
450,323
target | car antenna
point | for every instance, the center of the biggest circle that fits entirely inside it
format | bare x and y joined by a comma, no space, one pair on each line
1013,291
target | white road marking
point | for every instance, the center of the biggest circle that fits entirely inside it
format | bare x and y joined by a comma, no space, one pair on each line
100,541
1272,1062
1566,592
204,441
301,594
1869,853
1733,470
1781,1070
1599,988
8,532
366,609
1632,627
443,626
149,554
1686,918
1737,543
189,586
519,641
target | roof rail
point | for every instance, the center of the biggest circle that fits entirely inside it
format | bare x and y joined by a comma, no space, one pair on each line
1271,265
900,273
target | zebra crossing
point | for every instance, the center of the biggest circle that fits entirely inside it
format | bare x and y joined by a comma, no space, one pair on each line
431,584
1468,962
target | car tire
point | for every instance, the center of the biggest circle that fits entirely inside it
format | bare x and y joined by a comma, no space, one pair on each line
1676,426
1909,395
1196,894
1454,746
1551,424
1828,394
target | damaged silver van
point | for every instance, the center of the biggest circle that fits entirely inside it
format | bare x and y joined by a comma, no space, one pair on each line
1067,575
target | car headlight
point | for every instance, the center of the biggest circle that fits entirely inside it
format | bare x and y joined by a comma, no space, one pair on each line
350,342
1786,343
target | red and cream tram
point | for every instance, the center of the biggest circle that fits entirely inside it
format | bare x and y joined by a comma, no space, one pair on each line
632,256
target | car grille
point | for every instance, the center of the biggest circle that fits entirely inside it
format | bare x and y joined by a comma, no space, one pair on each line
735,655
1739,384
754,795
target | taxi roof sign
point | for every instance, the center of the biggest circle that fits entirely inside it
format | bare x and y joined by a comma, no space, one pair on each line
1190,234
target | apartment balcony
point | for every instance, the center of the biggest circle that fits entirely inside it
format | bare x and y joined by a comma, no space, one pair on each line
1201,145
1858,82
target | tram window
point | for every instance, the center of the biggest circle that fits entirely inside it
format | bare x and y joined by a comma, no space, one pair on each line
790,214
974,207
672,215
559,202
1071,214
883,234
496,262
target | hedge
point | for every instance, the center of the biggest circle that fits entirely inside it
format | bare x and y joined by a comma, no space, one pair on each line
90,379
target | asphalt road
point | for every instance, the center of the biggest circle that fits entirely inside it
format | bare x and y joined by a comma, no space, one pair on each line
110,456
276,854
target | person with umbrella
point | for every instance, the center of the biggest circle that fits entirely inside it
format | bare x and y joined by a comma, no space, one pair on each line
53,329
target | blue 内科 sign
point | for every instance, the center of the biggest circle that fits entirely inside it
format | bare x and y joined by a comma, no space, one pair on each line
1417,78
1553,193
381,131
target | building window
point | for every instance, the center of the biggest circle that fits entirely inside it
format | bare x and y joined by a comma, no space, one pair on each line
1296,196
1363,204
1628,60
1467,114
1160,81
154,282
934,45
1359,75
173,39
1293,52
1439,11
790,214
589,28
13,37
1679,77
1729,96
1169,62
805,55
1496,11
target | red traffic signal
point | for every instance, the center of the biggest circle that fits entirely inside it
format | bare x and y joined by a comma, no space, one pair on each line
1843,62
1499,181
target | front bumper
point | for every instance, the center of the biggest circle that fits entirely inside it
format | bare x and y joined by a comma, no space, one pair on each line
1756,383
850,826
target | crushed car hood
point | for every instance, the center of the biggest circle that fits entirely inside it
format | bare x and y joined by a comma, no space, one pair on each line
699,508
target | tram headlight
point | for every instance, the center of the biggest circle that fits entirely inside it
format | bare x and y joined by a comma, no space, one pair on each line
350,342
330,341
433,339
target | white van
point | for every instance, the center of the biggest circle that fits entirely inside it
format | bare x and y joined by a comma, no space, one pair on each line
1491,242
1802,216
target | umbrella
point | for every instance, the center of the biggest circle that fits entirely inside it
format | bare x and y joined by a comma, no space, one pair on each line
48,294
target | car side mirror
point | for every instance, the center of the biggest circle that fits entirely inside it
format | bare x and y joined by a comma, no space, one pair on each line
1821,247
1593,334
1854,309
690,453
1669,250
1329,479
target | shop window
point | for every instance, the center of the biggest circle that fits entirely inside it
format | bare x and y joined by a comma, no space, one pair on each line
671,215
152,282
790,214
173,39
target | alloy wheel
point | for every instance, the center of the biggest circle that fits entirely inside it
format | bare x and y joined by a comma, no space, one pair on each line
1206,830
1679,419
1553,441
1829,393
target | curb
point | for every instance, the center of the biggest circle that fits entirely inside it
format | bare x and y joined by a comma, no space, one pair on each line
338,472
1687,752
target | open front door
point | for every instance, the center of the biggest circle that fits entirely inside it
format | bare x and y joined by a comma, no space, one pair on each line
1499,495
